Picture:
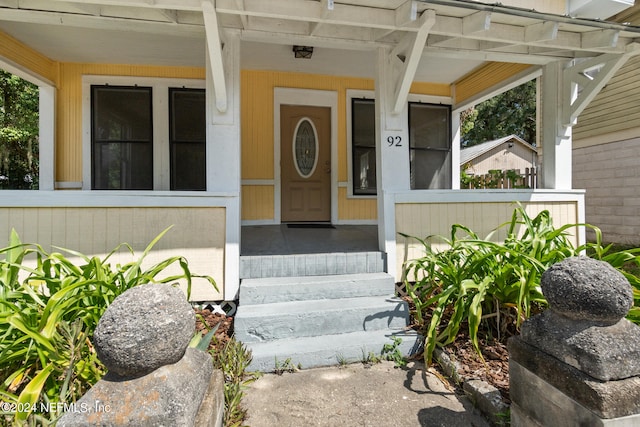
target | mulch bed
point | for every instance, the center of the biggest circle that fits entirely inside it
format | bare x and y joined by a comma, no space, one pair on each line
206,320
494,370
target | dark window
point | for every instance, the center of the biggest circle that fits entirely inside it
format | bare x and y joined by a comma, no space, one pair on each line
122,138
187,130
363,145
430,145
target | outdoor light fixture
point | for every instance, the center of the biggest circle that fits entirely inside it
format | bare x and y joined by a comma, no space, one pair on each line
303,51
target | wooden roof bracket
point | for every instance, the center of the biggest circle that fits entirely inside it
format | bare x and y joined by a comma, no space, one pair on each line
214,48
406,57
583,80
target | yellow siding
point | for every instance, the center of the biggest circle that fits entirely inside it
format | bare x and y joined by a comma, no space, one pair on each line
257,89
351,209
485,78
97,231
436,219
257,202
24,56
616,108
69,107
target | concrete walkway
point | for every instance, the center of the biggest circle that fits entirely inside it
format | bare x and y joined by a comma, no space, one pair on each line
355,395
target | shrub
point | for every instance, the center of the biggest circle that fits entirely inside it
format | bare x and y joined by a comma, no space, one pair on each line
492,286
47,321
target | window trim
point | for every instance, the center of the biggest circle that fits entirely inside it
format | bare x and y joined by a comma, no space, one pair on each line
160,109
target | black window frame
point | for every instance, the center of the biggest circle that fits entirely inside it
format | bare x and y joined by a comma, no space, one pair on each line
413,149
173,142
96,140
355,169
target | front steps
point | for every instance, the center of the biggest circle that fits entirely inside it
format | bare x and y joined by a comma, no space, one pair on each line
322,312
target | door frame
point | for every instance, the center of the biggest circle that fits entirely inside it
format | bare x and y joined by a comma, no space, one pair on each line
312,98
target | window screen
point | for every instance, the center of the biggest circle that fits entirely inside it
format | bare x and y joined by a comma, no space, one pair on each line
363,144
430,146
122,138
187,129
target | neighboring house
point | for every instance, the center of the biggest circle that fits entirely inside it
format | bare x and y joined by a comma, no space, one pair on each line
606,152
506,153
211,116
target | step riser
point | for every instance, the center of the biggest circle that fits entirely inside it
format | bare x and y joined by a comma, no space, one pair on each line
261,327
329,350
266,291
311,264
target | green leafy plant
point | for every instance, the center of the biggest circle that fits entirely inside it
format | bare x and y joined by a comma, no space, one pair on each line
234,359
48,313
370,358
476,279
493,287
392,352
286,366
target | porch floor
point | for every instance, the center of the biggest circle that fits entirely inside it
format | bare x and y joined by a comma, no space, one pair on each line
282,240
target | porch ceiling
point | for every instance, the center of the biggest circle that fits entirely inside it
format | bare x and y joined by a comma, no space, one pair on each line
461,36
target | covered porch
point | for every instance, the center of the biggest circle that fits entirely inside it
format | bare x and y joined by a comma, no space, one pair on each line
398,54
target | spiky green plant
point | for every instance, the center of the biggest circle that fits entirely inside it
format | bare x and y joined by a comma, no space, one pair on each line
47,317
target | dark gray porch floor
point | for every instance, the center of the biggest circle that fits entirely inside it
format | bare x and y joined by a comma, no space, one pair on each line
282,240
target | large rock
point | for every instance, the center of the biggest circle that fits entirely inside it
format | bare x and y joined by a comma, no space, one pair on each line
604,352
171,396
146,327
583,288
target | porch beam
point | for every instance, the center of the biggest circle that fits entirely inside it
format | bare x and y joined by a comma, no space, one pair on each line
171,15
576,77
243,18
192,5
543,31
101,22
412,57
476,23
214,48
327,7
600,39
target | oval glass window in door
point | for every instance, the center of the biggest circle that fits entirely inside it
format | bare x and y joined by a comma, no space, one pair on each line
305,148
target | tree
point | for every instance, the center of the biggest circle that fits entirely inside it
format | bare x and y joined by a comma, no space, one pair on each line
511,112
19,103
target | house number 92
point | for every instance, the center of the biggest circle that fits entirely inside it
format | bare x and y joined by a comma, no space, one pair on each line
394,141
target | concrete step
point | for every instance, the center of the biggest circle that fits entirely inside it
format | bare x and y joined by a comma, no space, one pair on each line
267,322
320,264
286,289
328,350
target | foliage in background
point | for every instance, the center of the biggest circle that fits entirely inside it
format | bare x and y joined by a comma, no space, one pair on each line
511,112
19,102
496,178
48,317
493,287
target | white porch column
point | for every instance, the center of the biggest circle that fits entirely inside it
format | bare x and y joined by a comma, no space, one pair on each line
392,154
556,137
223,153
